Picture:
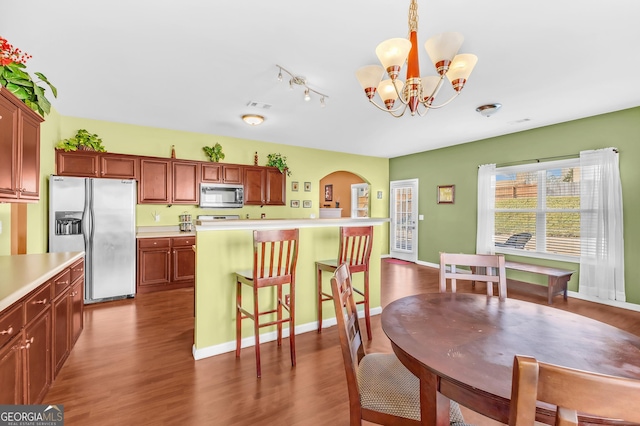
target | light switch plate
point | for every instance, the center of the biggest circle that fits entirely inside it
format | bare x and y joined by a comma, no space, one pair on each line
420,217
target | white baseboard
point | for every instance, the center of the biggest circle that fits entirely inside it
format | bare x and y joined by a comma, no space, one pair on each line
269,337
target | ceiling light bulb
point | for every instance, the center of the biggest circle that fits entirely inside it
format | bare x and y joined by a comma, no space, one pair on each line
306,95
322,104
280,75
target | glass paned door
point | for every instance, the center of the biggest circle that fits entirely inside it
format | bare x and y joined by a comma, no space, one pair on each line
404,212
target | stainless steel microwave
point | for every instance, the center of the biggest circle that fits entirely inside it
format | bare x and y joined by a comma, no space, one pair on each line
221,195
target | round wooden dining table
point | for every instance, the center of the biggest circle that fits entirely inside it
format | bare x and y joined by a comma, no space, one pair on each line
462,346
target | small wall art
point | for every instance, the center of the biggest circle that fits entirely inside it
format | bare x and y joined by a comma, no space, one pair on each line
306,204
446,194
295,204
307,187
328,192
294,186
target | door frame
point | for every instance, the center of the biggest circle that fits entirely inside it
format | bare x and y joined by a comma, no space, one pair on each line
408,255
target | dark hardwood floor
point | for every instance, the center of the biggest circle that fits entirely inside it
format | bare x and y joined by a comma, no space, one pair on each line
133,363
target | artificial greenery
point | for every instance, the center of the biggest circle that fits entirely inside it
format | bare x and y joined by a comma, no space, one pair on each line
280,162
14,77
82,140
214,152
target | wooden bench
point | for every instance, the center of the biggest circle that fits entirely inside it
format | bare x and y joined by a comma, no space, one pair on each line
557,278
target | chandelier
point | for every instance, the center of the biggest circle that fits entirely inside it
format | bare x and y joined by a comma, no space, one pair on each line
417,93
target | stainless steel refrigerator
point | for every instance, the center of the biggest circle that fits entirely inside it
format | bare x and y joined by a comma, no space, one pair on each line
99,217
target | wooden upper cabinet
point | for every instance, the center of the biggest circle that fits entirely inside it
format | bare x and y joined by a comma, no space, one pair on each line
119,166
97,164
20,147
155,181
276,187
264,186
222,173
77,163
254,182
186,182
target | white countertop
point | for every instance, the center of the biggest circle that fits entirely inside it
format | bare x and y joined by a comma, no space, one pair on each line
23,273
218,225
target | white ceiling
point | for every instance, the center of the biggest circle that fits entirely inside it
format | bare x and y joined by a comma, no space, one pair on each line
194,65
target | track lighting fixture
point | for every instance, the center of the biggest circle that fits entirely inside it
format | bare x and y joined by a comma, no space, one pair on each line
301,81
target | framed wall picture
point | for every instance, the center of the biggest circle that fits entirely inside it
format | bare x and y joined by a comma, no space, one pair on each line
307,187
306,204
328,192
294,186
446,194
295,204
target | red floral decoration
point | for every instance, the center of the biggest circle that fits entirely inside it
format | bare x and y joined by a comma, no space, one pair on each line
10,54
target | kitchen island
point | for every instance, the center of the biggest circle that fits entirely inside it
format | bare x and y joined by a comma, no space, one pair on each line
226,246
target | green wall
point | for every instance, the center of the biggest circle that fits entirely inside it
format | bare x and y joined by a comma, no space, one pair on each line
452,227
307,165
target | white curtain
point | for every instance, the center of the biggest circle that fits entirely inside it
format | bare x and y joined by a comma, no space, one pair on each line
601,232
486,207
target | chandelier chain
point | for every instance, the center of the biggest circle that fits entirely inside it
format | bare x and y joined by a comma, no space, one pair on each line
413,16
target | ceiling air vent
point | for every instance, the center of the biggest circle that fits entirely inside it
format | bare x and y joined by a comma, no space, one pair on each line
260,105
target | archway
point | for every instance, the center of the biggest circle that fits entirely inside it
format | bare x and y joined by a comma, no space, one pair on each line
335,191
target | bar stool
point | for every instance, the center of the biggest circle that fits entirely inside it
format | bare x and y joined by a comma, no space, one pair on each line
275,254
355,250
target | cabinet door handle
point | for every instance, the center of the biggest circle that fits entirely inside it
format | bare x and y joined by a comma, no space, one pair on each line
40,302
7,331
28,343
74,294
62,282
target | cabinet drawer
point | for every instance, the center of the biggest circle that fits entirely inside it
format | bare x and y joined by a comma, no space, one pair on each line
61,282
10,323
38,302
154,242
77,270
184,241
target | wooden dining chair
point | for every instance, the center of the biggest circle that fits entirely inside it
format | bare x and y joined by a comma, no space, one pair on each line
489,268
571,391
355,249
381,390
275,253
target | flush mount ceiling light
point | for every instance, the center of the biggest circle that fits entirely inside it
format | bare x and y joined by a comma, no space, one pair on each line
301,81
253,119
489,109
417,93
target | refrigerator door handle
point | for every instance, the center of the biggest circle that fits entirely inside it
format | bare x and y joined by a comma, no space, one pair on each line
87,231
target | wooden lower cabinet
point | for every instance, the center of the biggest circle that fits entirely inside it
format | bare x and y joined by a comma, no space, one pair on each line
37,352
11,371
165,263
37,334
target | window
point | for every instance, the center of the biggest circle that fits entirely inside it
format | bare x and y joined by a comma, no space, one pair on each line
537,209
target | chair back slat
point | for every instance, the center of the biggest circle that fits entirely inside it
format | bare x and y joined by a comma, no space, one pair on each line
355,247
484,267
275,254
572,391
348,325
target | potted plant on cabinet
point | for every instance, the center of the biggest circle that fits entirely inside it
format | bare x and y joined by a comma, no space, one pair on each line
214,152
279,161
83,140
14,77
